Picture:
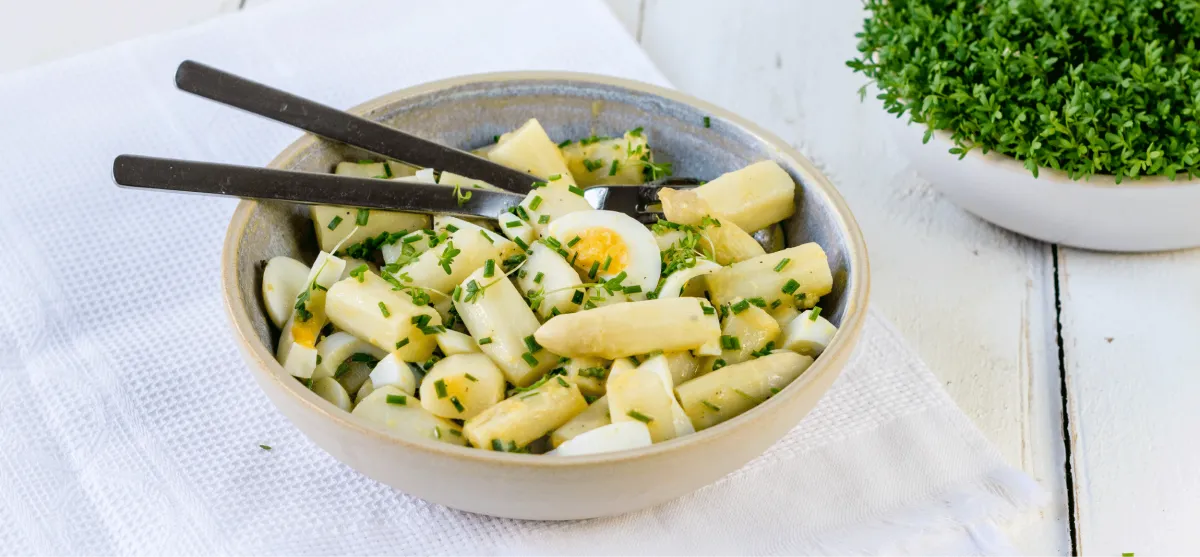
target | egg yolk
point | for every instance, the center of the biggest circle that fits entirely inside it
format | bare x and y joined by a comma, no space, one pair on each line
596,245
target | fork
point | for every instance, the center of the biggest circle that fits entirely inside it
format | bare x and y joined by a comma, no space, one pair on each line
337,125
176,175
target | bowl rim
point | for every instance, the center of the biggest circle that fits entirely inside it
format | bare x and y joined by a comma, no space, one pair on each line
1008,163
857,288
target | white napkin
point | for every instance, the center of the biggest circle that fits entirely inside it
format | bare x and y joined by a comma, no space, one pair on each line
131,426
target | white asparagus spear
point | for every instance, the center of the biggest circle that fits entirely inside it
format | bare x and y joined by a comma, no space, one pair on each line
595,416
727,392
803,277
503,326
520,419
632,328
753,197
371,310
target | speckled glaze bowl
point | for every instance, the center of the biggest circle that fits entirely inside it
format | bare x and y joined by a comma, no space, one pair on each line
467,112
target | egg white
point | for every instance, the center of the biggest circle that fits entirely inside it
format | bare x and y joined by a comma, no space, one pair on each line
642,260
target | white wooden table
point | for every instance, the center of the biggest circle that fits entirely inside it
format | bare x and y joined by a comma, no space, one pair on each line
1083,368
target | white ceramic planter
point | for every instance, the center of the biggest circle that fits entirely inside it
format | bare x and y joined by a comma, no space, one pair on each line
1152,214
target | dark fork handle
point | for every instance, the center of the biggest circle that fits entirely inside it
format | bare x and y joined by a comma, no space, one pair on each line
134,171
337,125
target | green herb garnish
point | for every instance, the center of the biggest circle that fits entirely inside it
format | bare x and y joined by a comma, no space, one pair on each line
639,416
362,217
1085,87
334,222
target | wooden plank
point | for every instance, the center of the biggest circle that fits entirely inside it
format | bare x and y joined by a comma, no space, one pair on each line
36,32
977,302
1130,330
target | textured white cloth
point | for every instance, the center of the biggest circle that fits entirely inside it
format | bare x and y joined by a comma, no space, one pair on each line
130,425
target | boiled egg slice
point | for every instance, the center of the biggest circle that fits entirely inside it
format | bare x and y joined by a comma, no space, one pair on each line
620,436
604,244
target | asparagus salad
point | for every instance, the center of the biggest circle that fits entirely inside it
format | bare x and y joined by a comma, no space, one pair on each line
557,329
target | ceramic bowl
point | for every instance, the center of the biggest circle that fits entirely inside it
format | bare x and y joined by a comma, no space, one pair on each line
467,112
1151,214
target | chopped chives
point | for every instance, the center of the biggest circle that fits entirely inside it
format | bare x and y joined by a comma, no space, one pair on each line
402,343
607,262
552,242
361,218
537,279
776,303
564,143
529,359
544,219
576,190
440,387
457,405
574,241
757,301
594,269
387,169
790,287
774,390
265,447
577,297
411,238
334,222
730,342
451,228
456,293
532,344
816,312
537,185
639,416
487,236
740,306
497,445
633,289
782,263
562,382
636,132
612,169
384,310
708,310
535,202
593,372
554,177
513,224
456,432
711,406
707,122
359,272
470,377
485,340
397,399
718,364
421,320
489,268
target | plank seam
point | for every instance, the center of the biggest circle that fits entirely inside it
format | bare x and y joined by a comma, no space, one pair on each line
1066,419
